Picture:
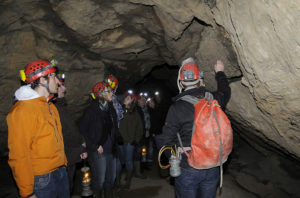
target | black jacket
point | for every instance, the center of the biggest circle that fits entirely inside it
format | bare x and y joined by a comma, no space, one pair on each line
97,124
181,114
72,138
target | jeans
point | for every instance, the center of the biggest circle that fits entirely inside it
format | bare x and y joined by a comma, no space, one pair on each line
103,170
194,183
52,185
127,153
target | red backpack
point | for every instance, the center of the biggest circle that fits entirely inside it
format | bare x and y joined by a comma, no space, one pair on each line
212,137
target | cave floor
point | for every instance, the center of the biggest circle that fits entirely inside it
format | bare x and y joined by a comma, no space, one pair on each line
247,174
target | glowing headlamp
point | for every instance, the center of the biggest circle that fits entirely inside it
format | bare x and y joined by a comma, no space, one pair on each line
141,94
146,94
61,76
156,93
130,91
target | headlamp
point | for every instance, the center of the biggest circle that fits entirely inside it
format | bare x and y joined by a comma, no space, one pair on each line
22,75
146,94
156,93
53,62
130,91
61,76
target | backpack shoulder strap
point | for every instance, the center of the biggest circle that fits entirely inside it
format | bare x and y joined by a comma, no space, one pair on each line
190,99
209,96
194,100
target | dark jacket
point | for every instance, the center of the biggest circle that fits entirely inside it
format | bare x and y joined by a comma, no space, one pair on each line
157,118
72,138
131,127
96,125
181,114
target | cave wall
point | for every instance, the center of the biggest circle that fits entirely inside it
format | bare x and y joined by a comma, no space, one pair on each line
257,40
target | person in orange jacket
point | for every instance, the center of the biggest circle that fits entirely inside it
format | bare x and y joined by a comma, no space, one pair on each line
36,149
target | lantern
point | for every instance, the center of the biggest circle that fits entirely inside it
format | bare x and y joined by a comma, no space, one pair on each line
85,182
144,153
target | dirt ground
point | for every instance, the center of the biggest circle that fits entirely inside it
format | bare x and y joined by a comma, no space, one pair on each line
248,174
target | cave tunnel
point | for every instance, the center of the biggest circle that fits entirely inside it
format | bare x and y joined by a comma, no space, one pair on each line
143,43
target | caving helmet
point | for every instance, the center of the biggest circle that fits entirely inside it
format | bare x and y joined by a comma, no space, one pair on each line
112,81
99,87
189,73
36,70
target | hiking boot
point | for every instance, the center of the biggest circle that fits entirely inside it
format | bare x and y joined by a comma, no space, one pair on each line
128,180
98,194
118,179
108,192
137,170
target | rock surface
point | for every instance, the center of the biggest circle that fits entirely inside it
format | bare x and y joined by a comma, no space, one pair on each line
257,40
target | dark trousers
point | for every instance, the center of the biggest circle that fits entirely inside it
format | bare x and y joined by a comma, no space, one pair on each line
194,183
71,172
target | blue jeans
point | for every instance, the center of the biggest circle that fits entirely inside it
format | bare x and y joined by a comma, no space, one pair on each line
103,170
127,153
193,183
52,185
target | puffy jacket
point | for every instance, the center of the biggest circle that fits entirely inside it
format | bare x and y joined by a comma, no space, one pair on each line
181,114
35,139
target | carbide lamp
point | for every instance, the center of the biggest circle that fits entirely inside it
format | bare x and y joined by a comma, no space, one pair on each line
85,182
144,153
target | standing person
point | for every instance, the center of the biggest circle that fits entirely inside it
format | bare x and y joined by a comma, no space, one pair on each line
192,182
114,83
142,109
131,130
36,148
99,129
73,141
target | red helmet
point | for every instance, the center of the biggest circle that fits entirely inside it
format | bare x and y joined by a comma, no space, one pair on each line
38,69
133,96
189,71
112,81
99,87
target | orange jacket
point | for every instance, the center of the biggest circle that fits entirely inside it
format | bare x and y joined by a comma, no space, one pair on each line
35,141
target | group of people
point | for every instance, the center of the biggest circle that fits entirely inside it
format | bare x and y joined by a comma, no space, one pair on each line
113,131
45,143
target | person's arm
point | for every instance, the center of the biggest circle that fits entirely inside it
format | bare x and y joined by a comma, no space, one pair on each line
222,95
139,128
21,126
170,129
84,129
